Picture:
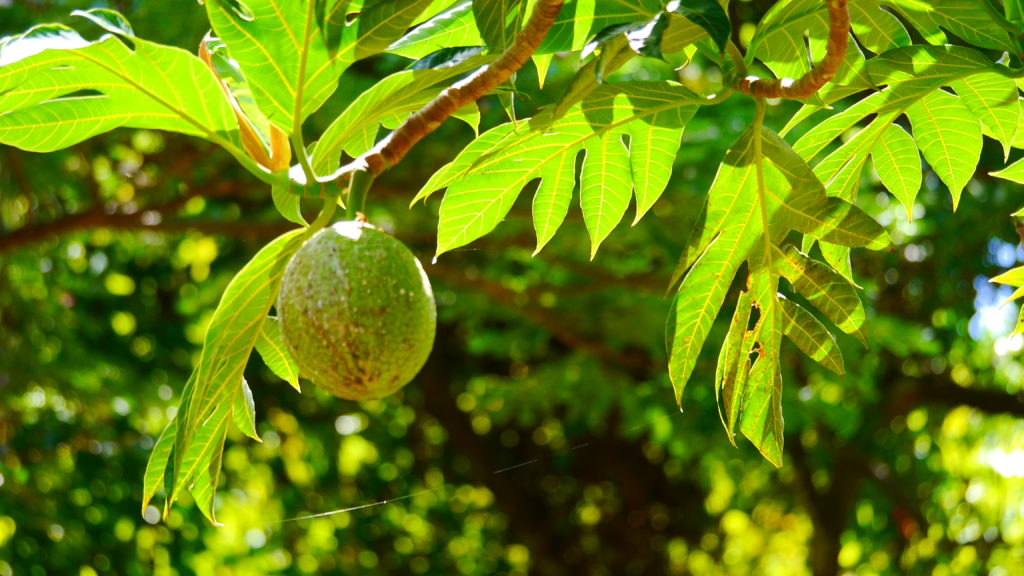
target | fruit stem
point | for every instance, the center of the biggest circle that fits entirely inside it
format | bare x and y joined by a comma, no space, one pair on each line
324,217
358,186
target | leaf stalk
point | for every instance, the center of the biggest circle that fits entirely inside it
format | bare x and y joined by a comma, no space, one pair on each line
358,187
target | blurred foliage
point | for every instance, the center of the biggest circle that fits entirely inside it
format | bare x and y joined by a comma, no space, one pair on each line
542,437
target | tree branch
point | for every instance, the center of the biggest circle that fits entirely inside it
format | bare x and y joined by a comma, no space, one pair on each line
558,327
394,147
819,75
152,218
939,390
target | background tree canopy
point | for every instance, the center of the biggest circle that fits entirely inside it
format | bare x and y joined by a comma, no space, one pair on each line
542,436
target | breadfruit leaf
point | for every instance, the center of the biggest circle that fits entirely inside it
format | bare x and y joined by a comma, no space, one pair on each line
993,99
485,179
905,77
452,27
205,458
243,410
230,338
762,192
811,336
293,56
1014,172
498,21
58,89
949,137
387,104
898,165
272,349
965,20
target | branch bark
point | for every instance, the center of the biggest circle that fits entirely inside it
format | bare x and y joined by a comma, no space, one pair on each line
819,75
152,218
559,327
394,147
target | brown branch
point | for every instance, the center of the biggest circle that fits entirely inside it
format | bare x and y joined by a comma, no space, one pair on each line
559,327
941,390
816,77
393,148
137,221
152,218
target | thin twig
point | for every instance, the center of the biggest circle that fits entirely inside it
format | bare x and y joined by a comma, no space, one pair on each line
394,147
819,75
153,218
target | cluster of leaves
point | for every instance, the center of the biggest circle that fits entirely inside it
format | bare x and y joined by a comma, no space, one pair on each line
274,64
948,94
270,64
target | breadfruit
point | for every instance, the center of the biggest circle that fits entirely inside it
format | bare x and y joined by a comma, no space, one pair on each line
356,311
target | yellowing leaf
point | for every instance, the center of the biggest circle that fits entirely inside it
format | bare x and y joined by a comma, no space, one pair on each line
762,192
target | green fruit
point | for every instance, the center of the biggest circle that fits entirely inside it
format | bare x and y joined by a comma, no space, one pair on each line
357,312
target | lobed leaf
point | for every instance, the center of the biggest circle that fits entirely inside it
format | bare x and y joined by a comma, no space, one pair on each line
380,24
1014,172
734,365
293,59
604,187
387,104
811,336
230,338
762,192
498,21
761,414
949,137
288,202
274,353
993,99
243,411
453,27
709,15
966,20
1012,277
898,165
278,44
484,180
203,460
825,289
156,467
58,89
580,21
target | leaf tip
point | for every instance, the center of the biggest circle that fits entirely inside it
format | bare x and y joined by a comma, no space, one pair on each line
861,336
956,200
541,243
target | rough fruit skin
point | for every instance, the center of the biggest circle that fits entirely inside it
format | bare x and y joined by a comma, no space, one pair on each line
357,313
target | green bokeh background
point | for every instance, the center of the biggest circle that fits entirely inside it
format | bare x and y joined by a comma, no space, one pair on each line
542,437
